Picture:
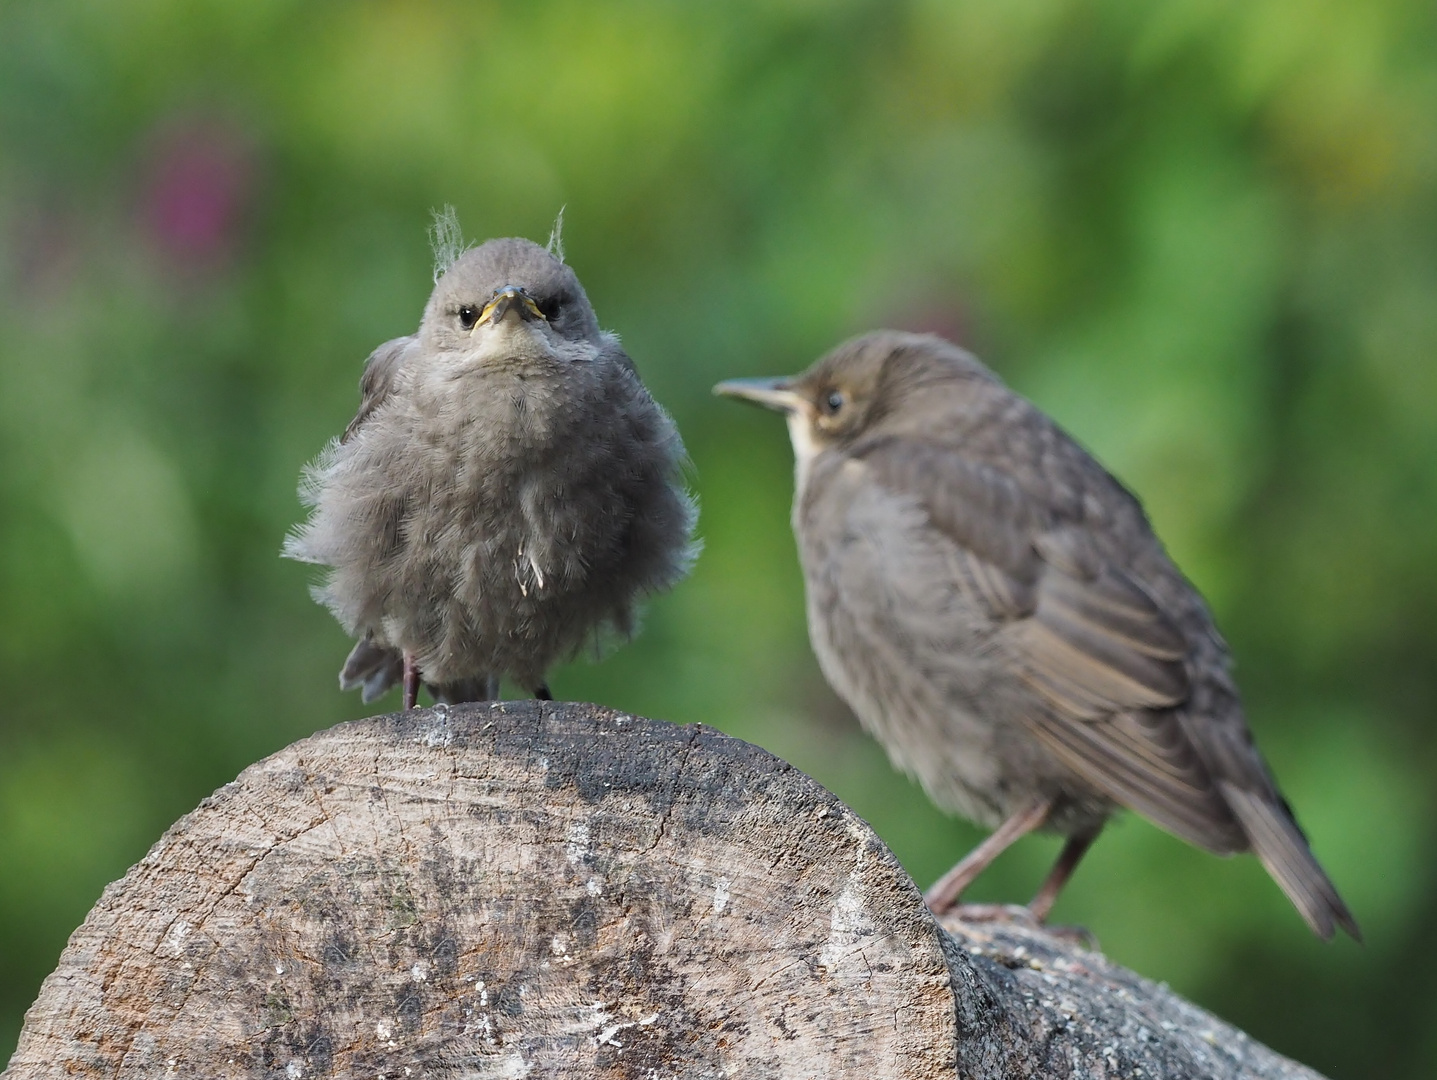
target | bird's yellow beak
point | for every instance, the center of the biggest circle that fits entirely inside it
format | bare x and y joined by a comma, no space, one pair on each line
507,298
770,393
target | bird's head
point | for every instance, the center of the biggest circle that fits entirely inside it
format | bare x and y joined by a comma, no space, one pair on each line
865,383
504,297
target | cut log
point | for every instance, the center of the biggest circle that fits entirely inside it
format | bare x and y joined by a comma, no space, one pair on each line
552,890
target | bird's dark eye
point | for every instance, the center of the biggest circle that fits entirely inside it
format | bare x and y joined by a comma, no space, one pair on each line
468,316
834,401
549,308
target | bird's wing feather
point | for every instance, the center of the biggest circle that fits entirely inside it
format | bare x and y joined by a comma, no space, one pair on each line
1096,642
1104,661
377,382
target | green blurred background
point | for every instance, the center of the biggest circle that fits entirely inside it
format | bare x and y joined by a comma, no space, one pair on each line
1202,233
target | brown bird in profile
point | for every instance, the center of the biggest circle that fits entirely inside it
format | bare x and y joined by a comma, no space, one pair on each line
508,489
995,608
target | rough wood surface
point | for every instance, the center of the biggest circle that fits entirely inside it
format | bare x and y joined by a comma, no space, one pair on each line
1031,1004
535,889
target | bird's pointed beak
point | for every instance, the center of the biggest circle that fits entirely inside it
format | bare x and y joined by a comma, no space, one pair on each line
510,298
770,393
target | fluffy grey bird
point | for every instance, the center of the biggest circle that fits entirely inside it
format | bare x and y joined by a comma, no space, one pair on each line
995,608
507,490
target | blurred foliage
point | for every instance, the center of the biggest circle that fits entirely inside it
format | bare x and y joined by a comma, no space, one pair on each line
1201,233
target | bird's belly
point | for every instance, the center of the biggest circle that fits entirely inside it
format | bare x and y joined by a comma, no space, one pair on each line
903,646
477,562
932,735
504,585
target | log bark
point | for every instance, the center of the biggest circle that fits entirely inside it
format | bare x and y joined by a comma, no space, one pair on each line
539,889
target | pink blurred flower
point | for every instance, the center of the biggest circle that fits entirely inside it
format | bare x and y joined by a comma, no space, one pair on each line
199,182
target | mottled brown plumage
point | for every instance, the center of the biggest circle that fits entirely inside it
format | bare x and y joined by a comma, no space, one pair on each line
507,489
996,609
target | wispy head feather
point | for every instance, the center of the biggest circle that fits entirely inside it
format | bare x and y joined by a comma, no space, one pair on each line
447,240
556,237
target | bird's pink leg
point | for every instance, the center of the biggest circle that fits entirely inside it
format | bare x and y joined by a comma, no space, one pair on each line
411,681
946,890
1068,858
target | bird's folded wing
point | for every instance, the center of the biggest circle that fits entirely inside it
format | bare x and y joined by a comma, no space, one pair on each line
1096,642
1105,663
377,382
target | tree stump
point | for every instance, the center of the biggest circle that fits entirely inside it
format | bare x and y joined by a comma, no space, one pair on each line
551,890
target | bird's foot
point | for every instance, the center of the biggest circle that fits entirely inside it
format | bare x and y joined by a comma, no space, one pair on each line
1019,915
980,913
1080,936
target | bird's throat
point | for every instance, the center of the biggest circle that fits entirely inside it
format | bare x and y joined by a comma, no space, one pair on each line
510,341
805,449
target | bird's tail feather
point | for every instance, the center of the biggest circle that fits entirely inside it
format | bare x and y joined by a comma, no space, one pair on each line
374,669
1283,850
371,668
